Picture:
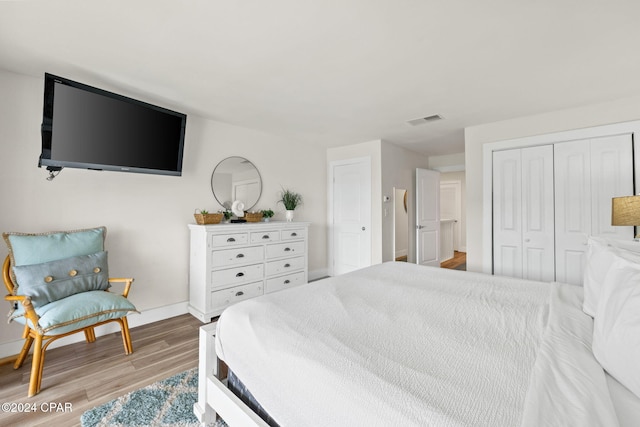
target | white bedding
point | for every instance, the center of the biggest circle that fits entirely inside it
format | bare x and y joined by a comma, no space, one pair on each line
400,344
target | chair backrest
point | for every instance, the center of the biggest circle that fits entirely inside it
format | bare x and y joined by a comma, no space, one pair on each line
6,276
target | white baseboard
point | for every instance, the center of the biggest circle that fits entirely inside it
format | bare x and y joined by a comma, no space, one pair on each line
402,252
318,274
12,348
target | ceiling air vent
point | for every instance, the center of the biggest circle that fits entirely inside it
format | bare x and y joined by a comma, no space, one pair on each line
423,120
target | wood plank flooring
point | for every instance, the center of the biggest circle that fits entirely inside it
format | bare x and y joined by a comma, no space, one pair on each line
87,375
459,258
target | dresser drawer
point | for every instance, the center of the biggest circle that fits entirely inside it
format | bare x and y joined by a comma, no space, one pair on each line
285,265
236,275
236,256
285,249
265,236
225,297
224,240
284,282
293,234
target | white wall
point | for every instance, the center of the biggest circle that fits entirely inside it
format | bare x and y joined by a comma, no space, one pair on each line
623,110
146,215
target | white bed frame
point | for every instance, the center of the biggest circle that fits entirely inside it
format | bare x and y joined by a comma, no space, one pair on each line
214,398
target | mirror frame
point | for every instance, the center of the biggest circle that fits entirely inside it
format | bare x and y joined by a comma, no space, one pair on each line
242,159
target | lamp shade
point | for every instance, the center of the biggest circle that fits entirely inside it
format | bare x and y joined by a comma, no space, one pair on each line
625,210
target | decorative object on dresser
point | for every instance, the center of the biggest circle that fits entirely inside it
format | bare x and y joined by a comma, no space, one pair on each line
267,214
291,200
233,262
203,216
253,216
236,179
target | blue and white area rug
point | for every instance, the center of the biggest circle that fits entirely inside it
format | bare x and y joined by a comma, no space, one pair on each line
166,403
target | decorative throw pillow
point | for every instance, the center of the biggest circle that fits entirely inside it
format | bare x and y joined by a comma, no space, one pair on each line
54,280
616,327
601,253
28,249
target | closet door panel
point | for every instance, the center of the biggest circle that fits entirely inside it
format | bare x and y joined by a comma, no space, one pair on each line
538,255
611,176
572,166
507,213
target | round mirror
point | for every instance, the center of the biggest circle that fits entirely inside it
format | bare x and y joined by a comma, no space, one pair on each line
236,179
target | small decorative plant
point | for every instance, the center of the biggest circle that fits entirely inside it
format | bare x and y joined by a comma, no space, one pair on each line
267,213
227,215
290,199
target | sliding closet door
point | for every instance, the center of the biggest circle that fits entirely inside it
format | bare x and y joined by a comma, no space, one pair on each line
507,213
588,174
538,252
573,208
523,213
612,176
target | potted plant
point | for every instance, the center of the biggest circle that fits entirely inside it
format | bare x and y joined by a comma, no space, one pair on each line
291,200
227,215
267,214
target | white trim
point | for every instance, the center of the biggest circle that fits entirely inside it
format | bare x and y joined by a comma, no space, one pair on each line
451,168
531,141
12,348
318,274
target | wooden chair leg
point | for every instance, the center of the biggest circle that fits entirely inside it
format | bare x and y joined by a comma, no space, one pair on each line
126,337
24,352
36,367
90,334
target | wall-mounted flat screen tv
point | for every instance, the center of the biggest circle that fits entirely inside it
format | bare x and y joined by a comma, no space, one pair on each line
90,128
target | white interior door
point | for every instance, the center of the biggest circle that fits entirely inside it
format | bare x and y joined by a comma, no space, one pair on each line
350,215
507,213
523,213
573,208
538,246
428,217
589,173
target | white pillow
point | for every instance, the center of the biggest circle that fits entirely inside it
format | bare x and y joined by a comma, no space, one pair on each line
601,253
616,327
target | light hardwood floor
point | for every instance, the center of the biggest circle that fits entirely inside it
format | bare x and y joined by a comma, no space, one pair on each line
87,375
459,258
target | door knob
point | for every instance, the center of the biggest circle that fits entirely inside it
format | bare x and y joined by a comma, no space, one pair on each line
363,228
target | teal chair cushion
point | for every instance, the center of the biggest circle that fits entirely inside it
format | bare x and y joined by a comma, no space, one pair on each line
77,311
54,280
27,249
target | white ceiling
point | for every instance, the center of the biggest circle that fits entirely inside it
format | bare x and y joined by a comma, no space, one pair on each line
337,72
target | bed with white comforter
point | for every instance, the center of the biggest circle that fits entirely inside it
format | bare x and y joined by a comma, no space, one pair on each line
404,345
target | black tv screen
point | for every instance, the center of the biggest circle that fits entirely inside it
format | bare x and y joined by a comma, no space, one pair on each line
90,128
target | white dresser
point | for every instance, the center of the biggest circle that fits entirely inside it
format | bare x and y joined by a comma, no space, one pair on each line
233,262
